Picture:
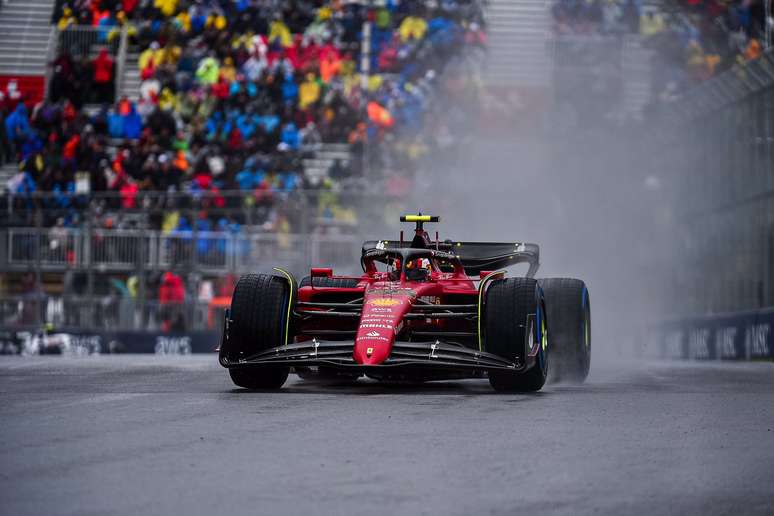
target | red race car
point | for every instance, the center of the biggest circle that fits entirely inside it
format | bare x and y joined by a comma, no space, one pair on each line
422,310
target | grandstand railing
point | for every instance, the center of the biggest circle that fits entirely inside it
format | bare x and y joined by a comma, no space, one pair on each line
81,40
84,41
123,47
51,49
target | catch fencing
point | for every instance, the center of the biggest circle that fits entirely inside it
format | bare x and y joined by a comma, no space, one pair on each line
108,313
713,151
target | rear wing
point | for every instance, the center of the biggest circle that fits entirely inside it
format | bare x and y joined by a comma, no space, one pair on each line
478,256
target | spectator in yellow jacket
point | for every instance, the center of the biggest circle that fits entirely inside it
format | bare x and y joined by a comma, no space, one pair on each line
148,57
66,20
228,71
183,21
308,92
278,30
412,28
216,21
167,7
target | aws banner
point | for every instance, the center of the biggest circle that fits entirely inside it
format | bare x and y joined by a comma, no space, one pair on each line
98,342
738,336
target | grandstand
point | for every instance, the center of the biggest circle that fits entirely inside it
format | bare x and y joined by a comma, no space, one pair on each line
156,138
206,140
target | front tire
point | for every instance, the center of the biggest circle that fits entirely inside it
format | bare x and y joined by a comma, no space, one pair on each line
259,321
514,321
259,378
569,310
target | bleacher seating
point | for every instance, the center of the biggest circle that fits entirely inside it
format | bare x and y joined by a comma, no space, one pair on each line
230,96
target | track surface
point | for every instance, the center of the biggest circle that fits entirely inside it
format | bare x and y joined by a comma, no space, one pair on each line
155,435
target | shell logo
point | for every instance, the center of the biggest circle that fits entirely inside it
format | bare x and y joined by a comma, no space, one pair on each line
384,301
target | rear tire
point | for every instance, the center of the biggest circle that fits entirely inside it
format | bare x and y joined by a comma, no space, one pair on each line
259,316
515,317
569,310
322,281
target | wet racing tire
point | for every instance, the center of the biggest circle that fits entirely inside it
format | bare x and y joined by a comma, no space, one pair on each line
569,310
514,313
259,312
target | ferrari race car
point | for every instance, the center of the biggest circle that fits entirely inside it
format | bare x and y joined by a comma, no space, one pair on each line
422,310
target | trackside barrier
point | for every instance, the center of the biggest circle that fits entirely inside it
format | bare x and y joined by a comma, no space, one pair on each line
735,336
107,342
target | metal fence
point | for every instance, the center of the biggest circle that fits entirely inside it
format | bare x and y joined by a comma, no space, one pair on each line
104,254
716,151
130,250
729,88
84,41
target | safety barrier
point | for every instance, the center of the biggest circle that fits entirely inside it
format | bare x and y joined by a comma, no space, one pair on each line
734,336
107,313
97,342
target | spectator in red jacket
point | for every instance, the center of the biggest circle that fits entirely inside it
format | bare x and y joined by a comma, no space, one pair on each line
103,76
171,298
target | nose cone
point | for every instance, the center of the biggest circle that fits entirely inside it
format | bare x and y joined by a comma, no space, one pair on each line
379,323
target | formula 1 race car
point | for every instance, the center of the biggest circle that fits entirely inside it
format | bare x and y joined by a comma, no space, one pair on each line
422,310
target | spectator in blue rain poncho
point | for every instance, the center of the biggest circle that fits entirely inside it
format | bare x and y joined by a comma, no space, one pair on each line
17,125
132,124
289,89
290,136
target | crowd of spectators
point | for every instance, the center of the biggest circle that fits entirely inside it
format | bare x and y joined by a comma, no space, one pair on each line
234,96
693,39
596,16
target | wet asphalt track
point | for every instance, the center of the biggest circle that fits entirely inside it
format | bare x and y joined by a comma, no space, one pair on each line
153,435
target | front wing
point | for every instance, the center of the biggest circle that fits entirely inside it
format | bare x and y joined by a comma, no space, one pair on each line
338,354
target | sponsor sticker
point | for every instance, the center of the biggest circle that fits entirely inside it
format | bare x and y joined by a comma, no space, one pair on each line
373,337
384,301
377,325
392,290
376,318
